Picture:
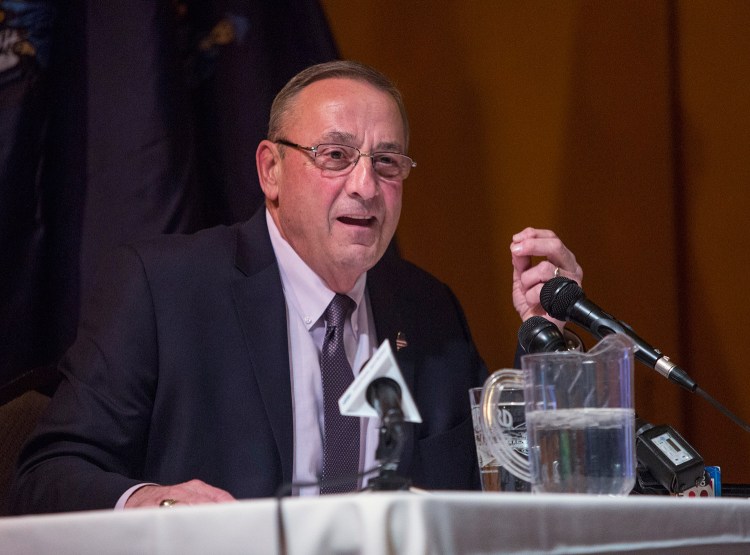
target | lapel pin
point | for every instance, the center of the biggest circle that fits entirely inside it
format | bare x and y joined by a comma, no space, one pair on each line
401,342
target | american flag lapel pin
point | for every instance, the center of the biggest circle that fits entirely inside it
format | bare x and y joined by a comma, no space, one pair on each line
401,342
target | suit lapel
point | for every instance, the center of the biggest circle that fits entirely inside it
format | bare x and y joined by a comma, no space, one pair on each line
261,310
391,324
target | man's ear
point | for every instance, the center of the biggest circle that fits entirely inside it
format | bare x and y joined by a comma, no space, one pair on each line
268,163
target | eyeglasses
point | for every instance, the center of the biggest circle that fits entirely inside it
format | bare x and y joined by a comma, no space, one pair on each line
342,159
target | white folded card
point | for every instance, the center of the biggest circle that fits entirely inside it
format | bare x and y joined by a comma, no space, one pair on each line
382,365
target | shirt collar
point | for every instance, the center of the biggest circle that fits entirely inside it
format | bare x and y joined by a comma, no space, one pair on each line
308,290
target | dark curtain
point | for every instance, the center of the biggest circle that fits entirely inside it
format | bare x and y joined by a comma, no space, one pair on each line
121,120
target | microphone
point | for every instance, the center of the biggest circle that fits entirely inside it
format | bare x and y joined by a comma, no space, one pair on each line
564,299
384,395
368,388
380,390
539,335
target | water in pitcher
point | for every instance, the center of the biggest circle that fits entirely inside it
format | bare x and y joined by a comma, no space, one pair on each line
583,450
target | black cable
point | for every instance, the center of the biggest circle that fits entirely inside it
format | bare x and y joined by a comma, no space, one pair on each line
390,444
725,411
287,488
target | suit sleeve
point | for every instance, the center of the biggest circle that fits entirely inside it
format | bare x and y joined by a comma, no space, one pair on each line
90,445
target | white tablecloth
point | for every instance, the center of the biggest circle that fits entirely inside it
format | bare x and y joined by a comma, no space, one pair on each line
375,523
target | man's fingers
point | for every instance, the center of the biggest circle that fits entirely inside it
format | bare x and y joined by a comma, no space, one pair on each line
533,233
546,244
193,492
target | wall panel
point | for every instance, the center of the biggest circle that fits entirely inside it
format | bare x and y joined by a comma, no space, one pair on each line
622,128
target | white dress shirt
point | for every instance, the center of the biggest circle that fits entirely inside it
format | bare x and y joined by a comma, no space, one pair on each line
307,298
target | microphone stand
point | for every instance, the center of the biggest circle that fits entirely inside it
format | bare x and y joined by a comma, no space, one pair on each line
388,454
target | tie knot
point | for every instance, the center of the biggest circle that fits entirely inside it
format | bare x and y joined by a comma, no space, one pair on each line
338,310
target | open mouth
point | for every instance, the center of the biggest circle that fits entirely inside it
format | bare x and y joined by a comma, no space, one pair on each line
360,222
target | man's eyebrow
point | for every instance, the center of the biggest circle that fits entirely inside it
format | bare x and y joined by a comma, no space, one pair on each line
388,147
339,137
344,138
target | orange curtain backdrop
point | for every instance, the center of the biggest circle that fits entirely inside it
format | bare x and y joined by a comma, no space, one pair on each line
622,125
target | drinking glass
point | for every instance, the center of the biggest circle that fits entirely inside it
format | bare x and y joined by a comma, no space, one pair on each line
510,405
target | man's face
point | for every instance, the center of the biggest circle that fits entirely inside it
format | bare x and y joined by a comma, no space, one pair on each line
340,225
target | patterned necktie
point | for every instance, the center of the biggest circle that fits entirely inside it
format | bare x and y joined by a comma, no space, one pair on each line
341,438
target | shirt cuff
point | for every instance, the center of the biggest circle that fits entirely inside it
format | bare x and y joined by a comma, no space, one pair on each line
130,491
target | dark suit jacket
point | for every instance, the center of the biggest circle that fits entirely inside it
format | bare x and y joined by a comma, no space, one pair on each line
181,370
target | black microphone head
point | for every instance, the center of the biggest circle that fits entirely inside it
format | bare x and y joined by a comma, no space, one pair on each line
558,295
539,335
383,387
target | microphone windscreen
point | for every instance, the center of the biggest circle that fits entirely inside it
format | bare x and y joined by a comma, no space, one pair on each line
383,388
558,295
539,335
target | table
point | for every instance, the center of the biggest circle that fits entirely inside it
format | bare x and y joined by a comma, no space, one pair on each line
398,522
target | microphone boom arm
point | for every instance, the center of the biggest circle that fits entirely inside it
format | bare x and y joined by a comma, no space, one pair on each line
601,326
564,299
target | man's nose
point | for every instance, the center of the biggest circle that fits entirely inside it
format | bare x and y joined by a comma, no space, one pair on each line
363,181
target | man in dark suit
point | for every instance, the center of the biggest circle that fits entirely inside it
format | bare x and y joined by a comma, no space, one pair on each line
195,376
